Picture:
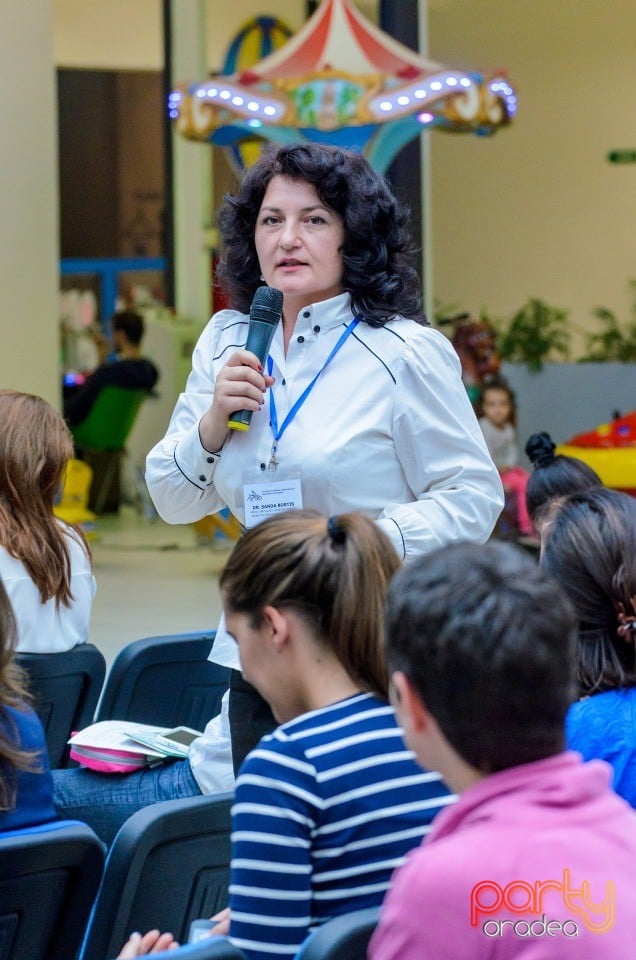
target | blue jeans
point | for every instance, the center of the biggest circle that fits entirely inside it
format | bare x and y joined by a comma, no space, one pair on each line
105,800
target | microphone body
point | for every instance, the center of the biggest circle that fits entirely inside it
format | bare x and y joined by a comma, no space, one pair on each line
265,313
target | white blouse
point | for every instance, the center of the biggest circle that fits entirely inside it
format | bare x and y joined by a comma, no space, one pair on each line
45,627
387,430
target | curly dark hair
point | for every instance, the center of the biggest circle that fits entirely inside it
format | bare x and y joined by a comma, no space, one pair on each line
377,252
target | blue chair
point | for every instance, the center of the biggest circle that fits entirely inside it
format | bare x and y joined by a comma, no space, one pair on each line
168,865
166,680
65,688
212,948
343,938
49,876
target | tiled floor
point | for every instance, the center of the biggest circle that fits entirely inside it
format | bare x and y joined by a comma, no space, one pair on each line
152,578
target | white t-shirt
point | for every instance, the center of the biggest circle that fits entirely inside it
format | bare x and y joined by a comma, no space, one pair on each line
45,627
501,443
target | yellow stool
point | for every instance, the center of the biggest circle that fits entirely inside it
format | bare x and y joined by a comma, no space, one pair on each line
223,522
73,504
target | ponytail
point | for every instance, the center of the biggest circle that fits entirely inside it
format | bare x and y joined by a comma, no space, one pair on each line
333,573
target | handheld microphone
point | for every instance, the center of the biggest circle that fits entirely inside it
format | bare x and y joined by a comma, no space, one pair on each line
265,314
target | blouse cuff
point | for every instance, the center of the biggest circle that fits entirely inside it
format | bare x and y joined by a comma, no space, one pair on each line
195,462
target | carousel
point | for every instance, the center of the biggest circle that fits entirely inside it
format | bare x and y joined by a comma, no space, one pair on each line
341,80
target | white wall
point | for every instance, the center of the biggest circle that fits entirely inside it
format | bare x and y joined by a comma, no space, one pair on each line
108,34
537,210
29,345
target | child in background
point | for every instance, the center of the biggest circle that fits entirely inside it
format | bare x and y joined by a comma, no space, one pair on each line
45,564
497,422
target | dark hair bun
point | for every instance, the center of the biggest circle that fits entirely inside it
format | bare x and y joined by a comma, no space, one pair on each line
540,449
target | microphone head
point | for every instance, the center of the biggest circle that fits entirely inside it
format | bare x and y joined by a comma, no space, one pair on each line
267,305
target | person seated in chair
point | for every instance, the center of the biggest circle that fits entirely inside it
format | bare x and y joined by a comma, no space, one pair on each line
536,858
130,369
26,787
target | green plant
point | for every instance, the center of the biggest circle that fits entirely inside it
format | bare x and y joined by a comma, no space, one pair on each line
613,342
536,333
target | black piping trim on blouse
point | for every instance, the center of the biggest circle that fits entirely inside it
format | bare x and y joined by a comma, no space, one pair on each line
394,332
401,534
374,354
231,346
184,474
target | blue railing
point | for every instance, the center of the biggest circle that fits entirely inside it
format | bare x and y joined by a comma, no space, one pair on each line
108,270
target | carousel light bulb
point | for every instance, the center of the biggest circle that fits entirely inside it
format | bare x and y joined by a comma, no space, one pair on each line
451,81
270,111
436,85
386,105
238,101
252,105
403,101
225,94
425,117
200,93
254,123
464,82
420,94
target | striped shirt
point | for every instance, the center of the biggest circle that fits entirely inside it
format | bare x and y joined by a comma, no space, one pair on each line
326,808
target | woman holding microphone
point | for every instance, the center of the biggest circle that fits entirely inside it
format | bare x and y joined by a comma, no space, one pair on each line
359,405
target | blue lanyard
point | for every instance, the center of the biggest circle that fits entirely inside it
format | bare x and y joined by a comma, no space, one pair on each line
278,432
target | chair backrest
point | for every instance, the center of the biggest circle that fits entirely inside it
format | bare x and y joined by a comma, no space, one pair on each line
49,876
168,865
211,948
110,419
343,938
65,688
167,680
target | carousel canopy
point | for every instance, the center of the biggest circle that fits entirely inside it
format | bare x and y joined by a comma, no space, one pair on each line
342,80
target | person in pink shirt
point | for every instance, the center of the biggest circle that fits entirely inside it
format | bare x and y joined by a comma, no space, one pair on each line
537,857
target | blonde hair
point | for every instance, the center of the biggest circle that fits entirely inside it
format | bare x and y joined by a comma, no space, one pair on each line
334,573
35,445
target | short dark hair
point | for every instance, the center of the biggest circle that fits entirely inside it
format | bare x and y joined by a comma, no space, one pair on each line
553,475
589,547
130,323
487,640
377,251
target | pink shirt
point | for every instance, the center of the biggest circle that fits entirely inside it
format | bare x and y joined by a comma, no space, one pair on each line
538,861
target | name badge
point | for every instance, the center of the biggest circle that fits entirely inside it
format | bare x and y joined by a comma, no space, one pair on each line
266,498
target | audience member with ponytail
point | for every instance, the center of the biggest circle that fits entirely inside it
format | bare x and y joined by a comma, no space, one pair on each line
589,547
331,802
45,564
26,787
553,475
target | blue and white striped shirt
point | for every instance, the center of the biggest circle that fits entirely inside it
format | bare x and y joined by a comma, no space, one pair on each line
326,808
